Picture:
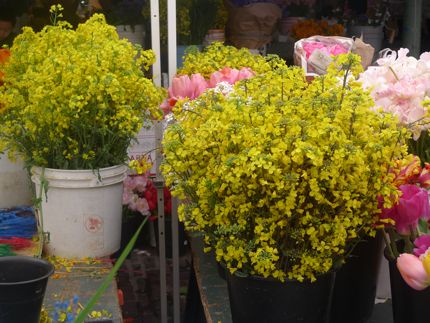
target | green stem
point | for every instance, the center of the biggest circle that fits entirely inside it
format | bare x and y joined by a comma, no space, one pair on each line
393,242
408,245
105,284
388,245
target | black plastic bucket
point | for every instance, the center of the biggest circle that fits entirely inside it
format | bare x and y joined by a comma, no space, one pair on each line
355,285
22,288
260,300
409,305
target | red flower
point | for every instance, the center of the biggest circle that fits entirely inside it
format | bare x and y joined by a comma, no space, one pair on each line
151,196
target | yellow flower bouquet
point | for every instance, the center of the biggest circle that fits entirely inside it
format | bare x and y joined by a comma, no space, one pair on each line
74,99
281,175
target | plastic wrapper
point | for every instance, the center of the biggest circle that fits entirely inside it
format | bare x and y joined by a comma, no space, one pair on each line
314,53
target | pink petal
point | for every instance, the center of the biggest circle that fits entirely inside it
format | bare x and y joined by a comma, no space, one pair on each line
412,271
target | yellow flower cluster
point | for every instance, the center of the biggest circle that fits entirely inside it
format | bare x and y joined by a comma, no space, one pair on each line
217,56
282,175
74,99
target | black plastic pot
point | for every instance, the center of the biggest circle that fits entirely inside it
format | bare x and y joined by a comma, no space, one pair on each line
409,305
22,288
263,300
221,269
168,237
355,284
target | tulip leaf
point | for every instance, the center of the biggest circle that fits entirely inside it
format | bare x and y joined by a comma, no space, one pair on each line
423,226
93,300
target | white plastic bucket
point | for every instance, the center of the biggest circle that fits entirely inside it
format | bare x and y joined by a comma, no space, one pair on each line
15,185
83,210
372,35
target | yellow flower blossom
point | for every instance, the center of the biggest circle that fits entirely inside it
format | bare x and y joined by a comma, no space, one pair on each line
74,99
282,175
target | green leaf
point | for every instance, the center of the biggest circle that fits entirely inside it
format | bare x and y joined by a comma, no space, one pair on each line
93,300
423,226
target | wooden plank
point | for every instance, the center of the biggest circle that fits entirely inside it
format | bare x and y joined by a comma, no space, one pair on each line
213,289
82,281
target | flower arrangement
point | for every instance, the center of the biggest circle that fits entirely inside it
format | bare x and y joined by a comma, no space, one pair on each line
217,56
280,175
406,222
310,27
399,85
74,99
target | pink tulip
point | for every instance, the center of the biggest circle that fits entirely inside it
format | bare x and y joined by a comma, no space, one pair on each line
422,244
409,174
413,204
412,271
229,75
424,178
184,87
198,85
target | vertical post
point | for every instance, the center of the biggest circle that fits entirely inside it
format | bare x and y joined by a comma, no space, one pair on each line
172,59
159,183
162,248
155,40
412,27
175,255
172,42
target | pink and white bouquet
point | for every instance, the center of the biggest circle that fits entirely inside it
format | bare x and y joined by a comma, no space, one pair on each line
314,54
400,85
184,86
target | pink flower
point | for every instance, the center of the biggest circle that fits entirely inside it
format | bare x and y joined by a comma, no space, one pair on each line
141,205
184,87
421,243
399,85
229,75
413,204
311,46
413,271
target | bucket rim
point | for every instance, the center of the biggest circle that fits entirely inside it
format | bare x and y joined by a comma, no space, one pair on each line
50,269
77,171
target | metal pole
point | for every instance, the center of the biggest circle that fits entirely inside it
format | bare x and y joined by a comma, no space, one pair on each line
155,40
175,255
159,183
412,27
162,249
172,59
171,34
